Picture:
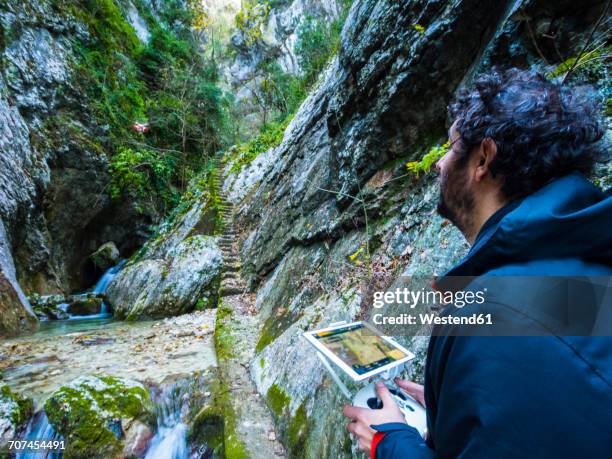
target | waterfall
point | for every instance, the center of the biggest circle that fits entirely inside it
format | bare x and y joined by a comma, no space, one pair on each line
108,276
170,441
39,428
99,289
106,279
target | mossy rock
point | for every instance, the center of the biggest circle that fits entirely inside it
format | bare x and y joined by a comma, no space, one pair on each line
91,411
15,411
216,425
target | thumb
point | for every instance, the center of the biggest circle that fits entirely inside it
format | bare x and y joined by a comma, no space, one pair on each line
385,396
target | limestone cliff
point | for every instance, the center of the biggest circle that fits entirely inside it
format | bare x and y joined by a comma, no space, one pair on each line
332,213
74,81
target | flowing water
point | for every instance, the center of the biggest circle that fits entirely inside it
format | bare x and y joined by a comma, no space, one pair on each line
100,289
170,441
39,428
174,403
154,351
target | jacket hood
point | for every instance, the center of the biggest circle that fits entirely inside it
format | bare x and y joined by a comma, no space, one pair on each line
568,218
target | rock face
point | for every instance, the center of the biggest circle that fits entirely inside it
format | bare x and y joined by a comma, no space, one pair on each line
54,179
14,414
16,314
95,414
175,273
332,213
277,43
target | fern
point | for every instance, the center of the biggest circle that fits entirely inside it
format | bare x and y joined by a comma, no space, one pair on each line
427,161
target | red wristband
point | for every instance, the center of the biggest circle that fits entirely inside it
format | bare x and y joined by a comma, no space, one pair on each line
378,436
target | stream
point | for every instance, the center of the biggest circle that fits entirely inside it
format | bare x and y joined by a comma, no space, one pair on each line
170,441
161,353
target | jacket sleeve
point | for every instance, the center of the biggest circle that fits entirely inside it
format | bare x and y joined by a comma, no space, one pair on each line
401,441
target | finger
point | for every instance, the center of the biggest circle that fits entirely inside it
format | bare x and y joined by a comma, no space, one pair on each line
352,412
364,445
384,395
409,386
364,432
413,389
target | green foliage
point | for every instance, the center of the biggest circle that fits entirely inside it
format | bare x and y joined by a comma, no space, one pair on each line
425,164
165,83
280,94
271,136
142,172
250,19
591,63
317,42
419,28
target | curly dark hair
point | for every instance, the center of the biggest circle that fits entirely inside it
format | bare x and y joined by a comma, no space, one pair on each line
542,129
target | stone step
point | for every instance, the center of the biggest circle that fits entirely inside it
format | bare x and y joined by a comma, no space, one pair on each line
229,268
229,291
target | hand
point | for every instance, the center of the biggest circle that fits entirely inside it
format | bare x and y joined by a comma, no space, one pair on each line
416,391
363,418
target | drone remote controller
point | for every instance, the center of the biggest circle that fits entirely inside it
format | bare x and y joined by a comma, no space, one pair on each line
413,411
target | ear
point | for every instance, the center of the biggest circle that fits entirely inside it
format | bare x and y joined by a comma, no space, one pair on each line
485,156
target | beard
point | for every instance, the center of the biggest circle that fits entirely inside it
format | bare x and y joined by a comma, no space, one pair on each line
456,201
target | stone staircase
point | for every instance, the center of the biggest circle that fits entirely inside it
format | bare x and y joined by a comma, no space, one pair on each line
231,282
253,422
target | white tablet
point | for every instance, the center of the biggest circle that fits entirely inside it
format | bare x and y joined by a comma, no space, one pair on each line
358,349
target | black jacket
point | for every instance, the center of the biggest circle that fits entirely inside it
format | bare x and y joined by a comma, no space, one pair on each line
529,396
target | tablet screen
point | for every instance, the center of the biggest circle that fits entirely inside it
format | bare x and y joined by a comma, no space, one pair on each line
359,348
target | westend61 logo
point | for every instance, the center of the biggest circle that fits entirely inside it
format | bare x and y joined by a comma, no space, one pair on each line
412,298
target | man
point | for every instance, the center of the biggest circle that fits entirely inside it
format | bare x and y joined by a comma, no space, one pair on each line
513,181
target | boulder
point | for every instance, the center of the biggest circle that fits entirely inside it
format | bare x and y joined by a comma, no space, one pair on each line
96,414
15,411
185,278
85,305
50,312
106,256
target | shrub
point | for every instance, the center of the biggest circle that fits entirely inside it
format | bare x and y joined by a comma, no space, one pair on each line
271,136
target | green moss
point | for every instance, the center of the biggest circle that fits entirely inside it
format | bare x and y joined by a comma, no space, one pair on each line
224,340
265,338
207,429
297,432
86,412
274,326
278,400
220,420
589,61
21,408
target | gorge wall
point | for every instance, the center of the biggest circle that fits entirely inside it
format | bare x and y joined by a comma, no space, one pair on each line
75,78
332,213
